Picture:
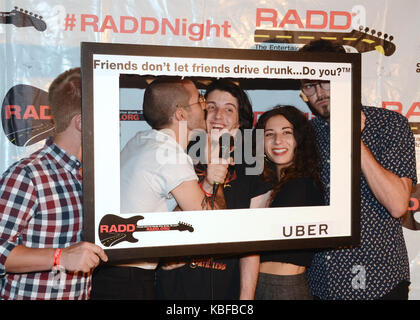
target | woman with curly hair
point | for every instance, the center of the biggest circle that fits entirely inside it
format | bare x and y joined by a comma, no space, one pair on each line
291,167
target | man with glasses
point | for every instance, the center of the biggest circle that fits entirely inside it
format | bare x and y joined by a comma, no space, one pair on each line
317,93
378,268
157,175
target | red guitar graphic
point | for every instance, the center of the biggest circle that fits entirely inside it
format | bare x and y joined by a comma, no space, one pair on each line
22,18
361,40
114,229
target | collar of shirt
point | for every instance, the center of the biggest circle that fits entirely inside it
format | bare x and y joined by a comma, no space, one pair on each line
67,161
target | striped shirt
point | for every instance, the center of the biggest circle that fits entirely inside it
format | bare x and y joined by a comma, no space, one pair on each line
41,207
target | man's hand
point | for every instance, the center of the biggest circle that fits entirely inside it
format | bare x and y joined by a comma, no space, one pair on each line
82,256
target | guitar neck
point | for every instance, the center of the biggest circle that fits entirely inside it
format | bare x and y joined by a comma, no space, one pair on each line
162,227
361,41
5,17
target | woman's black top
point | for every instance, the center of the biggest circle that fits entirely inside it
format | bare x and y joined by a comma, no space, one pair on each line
295,193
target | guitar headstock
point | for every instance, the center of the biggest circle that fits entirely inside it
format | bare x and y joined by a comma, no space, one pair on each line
369,41
24,18
182,226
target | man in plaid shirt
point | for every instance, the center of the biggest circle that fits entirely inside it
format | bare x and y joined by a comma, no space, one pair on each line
41,252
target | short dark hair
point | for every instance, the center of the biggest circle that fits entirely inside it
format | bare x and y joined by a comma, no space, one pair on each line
161,98
306,158
322,45
65,98
246,115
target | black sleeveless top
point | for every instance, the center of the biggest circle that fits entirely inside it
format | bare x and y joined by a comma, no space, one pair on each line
295,193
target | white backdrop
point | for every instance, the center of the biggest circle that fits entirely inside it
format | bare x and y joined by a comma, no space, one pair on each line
35,50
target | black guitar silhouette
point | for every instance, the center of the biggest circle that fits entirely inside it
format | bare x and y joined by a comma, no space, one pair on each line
22,18
26,115
358,39
114,229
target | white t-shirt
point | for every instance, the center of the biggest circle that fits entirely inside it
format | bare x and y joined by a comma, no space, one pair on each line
152,165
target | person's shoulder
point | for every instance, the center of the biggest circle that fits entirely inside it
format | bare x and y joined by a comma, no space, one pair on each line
25,165
384,113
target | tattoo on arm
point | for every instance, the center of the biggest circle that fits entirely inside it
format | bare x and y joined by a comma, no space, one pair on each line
219,201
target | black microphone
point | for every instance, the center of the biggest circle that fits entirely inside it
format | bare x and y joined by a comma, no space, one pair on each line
226,144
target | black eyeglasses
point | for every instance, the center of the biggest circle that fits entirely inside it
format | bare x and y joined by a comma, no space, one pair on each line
310,87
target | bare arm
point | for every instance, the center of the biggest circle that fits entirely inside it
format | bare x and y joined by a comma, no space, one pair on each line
83,256
190,196
391,191
249,266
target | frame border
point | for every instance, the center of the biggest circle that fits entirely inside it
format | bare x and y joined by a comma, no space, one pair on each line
88,49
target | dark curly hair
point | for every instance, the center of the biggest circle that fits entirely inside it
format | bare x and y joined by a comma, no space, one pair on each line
306,157
246,115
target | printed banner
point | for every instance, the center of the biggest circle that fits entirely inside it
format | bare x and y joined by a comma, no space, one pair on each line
41,39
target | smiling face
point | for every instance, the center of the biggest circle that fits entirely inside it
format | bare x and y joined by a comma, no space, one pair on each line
279,141
222,111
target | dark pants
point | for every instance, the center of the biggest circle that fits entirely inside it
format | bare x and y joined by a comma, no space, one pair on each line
122,283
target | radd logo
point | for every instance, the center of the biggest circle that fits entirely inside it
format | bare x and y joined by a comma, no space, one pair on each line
296,27
26,116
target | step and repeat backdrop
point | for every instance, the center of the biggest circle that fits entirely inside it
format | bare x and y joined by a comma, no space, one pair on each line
41,39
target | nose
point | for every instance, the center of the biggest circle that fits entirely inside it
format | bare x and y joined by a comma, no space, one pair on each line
318,89
278,138
219,113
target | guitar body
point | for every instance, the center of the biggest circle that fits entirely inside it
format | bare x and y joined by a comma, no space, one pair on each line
26,115
114,229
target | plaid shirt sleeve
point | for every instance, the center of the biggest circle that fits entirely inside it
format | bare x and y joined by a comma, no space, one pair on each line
18,201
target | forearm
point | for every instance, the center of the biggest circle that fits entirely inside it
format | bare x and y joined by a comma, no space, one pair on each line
391,191
249,269
24,260
219,197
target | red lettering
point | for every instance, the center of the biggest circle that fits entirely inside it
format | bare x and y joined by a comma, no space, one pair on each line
310,14
334,14
210,26
131,227
113,228
166,23
43,113
103,228
155,23
85,22
386,104
291,17
256,115
135,24
271,18
412,111
13,110
111,26
122,228
30,112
